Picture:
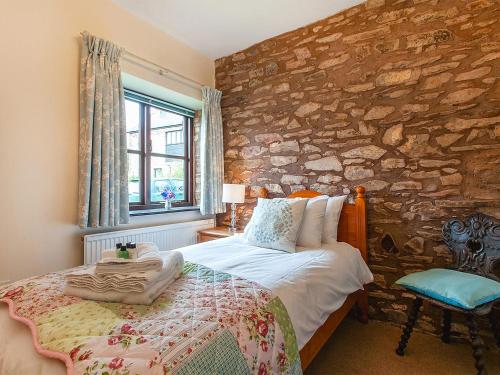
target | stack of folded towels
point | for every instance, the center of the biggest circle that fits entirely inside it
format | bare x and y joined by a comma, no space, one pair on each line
133,281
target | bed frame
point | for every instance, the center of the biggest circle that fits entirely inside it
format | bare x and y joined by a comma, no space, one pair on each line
352,229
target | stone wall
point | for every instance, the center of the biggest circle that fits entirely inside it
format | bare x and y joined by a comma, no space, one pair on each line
402,97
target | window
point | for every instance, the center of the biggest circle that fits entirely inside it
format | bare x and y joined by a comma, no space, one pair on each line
160,151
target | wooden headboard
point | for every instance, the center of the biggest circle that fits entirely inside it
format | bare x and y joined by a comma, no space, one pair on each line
352,224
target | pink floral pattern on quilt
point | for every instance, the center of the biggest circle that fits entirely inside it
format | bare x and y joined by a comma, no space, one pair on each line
205,322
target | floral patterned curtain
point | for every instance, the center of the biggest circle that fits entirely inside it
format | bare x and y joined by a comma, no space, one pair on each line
103,186
211,153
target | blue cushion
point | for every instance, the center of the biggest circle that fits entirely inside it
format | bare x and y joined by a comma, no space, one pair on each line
455,288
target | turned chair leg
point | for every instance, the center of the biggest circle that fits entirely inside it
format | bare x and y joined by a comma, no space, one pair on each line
362,307
412,318
495,327
445,337
477,346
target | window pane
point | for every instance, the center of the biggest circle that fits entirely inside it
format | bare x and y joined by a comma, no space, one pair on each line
134,178
132,116
167,174
167,132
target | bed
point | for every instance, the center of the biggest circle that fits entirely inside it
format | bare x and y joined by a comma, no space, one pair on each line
318,287
352,231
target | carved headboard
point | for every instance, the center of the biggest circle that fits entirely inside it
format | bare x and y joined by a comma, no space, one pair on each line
352,224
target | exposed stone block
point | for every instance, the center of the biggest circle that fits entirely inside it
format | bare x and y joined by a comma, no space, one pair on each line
268,138
330,38
284,147
430,163
330,163
393,163
239,140
370,34
393,206
425,174
406,185
394,135
251,151
430,37
458,124
287,179
435,69
329,179
452,179
368,152
307,108
418,146
473,74
414,108
282,87
357,172
378,112
394,16
274,188
397,77
374,3
279,161
433,16
415,245
462,96
340,59
489,57
361,87
448,139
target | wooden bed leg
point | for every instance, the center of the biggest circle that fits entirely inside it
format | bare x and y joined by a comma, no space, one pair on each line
362,306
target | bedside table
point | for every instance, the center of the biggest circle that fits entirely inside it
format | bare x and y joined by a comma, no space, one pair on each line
215,233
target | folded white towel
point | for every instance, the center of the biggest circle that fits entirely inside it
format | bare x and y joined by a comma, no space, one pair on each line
146,297
172,261
148,259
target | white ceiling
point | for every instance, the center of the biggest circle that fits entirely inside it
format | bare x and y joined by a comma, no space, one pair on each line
221,27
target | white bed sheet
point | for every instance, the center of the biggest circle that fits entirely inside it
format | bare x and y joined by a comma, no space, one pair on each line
312,283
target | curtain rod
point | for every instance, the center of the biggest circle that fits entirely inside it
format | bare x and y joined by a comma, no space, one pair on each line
157,68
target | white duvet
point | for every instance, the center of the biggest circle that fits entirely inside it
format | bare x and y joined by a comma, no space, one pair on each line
312,283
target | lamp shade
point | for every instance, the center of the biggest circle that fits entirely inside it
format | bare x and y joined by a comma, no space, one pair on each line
233,193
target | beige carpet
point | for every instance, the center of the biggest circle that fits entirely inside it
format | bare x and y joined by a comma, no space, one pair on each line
357,348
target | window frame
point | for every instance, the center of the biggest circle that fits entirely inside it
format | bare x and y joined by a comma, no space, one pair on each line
145,153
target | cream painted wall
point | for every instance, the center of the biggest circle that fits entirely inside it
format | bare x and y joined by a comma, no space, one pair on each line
39,67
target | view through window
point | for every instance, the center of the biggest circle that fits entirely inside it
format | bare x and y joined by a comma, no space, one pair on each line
159,146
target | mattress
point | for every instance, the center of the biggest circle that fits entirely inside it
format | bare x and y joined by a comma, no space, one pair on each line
312,283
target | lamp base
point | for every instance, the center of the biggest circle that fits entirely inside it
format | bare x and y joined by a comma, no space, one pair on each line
233,228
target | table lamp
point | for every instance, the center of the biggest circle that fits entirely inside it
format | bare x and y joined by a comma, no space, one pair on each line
233,193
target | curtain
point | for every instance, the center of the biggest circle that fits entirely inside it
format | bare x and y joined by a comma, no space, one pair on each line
211,153
103,185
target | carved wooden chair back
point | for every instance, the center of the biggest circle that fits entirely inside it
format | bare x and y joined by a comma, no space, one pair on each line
475,244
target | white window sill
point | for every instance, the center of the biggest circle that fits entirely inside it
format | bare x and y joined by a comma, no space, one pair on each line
158,211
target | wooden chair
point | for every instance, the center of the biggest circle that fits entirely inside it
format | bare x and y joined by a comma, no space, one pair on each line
475,244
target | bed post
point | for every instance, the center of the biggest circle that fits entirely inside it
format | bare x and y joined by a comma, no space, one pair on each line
263,193
360,205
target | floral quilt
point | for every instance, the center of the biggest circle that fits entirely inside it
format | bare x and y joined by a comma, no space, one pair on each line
207,322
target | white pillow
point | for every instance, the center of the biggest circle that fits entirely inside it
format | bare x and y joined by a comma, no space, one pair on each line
275,223
332,217
312,224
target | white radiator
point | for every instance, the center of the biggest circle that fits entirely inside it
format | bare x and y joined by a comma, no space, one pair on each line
167,237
